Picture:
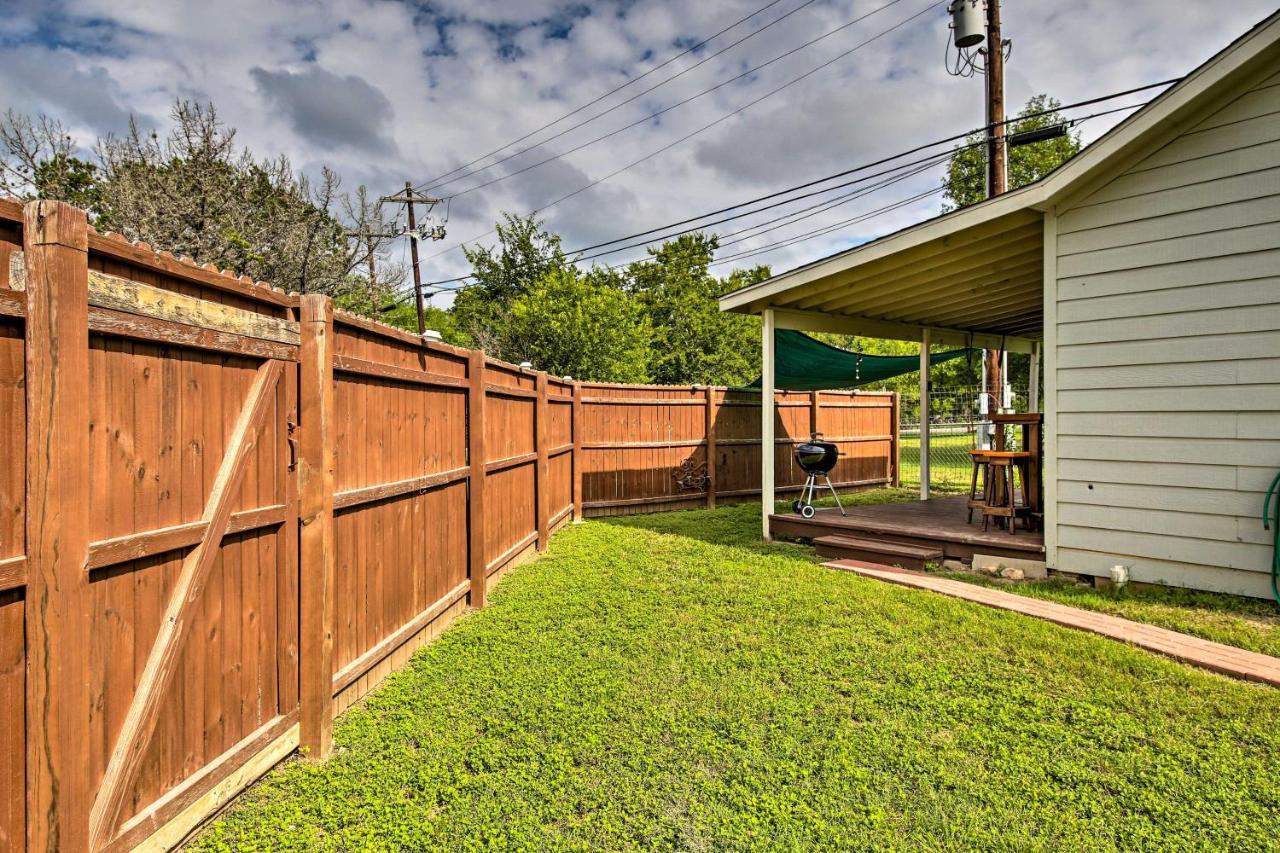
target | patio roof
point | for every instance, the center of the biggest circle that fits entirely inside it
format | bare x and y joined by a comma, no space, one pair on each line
972,277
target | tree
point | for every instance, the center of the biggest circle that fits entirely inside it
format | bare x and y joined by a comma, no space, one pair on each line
525,253
657,320
405,316
195,192
966,173
37,159
584,325
694,341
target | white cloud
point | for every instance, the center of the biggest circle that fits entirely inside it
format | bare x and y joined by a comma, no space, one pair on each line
384,90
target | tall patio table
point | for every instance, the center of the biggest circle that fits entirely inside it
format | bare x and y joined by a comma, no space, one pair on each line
1032,441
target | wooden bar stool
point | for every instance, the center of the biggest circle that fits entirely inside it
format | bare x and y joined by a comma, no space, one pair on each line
1006,505
978,500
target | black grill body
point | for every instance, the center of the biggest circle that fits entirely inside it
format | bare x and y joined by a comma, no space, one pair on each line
816,458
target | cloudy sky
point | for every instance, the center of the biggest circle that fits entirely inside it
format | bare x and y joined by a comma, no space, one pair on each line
391,91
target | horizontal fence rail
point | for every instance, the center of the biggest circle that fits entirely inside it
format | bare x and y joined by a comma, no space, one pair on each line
647,448
228,512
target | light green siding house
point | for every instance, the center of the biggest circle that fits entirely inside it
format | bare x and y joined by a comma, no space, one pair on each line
1145,273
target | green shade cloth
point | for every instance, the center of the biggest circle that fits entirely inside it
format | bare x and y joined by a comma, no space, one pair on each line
804,364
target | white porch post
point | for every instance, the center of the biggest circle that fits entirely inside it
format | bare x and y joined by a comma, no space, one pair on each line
1033,381
924,414
767,325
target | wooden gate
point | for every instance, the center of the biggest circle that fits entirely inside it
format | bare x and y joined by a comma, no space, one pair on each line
161,531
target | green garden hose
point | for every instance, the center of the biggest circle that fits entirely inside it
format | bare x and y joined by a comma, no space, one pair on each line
1273,493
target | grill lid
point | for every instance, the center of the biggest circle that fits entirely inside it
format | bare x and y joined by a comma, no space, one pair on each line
817,457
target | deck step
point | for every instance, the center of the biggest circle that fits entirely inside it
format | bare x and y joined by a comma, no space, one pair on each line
877,551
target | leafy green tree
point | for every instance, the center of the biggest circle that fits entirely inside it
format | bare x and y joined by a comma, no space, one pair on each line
385,306
70,179
966,174
582,324
194,191
694,341
525,253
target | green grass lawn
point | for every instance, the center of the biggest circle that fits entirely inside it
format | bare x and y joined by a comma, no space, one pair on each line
1250,623
669,682
949,462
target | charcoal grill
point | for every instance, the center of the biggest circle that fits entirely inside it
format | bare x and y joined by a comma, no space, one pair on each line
816,458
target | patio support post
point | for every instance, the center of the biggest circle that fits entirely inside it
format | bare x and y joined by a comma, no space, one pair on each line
767,449
924,414
1033,379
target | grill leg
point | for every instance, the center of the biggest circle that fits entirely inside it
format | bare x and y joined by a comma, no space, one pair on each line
834,495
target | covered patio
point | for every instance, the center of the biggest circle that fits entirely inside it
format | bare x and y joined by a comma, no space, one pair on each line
971,278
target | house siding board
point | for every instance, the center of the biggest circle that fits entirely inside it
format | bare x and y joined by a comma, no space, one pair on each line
1167,357
1242,159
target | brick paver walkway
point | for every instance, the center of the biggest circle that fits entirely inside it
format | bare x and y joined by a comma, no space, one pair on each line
1227,660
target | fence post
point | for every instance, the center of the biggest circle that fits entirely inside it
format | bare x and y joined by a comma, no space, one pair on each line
540,477
478,565
711,447
815,406
318,561
59,792
895,433
578,455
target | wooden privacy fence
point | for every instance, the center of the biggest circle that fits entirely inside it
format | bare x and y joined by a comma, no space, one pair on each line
647,448
227,512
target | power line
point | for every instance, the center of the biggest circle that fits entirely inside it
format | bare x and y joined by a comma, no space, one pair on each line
667,109
826,229
433,182
927,161
619,105
708,126
794,216
835,226
822,207
889,159
830,203
855,169
681,103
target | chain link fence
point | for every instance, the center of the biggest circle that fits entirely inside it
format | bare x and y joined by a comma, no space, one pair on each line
956,426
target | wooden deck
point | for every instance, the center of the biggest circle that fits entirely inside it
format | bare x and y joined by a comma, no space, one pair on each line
938,521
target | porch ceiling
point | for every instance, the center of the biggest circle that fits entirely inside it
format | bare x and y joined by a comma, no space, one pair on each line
958,277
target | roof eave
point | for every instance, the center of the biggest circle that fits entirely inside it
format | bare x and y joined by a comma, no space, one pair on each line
750,299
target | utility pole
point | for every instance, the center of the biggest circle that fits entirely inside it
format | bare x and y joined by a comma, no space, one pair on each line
979,44
997,171
413,253
366,239
409,199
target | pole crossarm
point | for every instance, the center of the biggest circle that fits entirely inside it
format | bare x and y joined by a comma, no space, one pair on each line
409,199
